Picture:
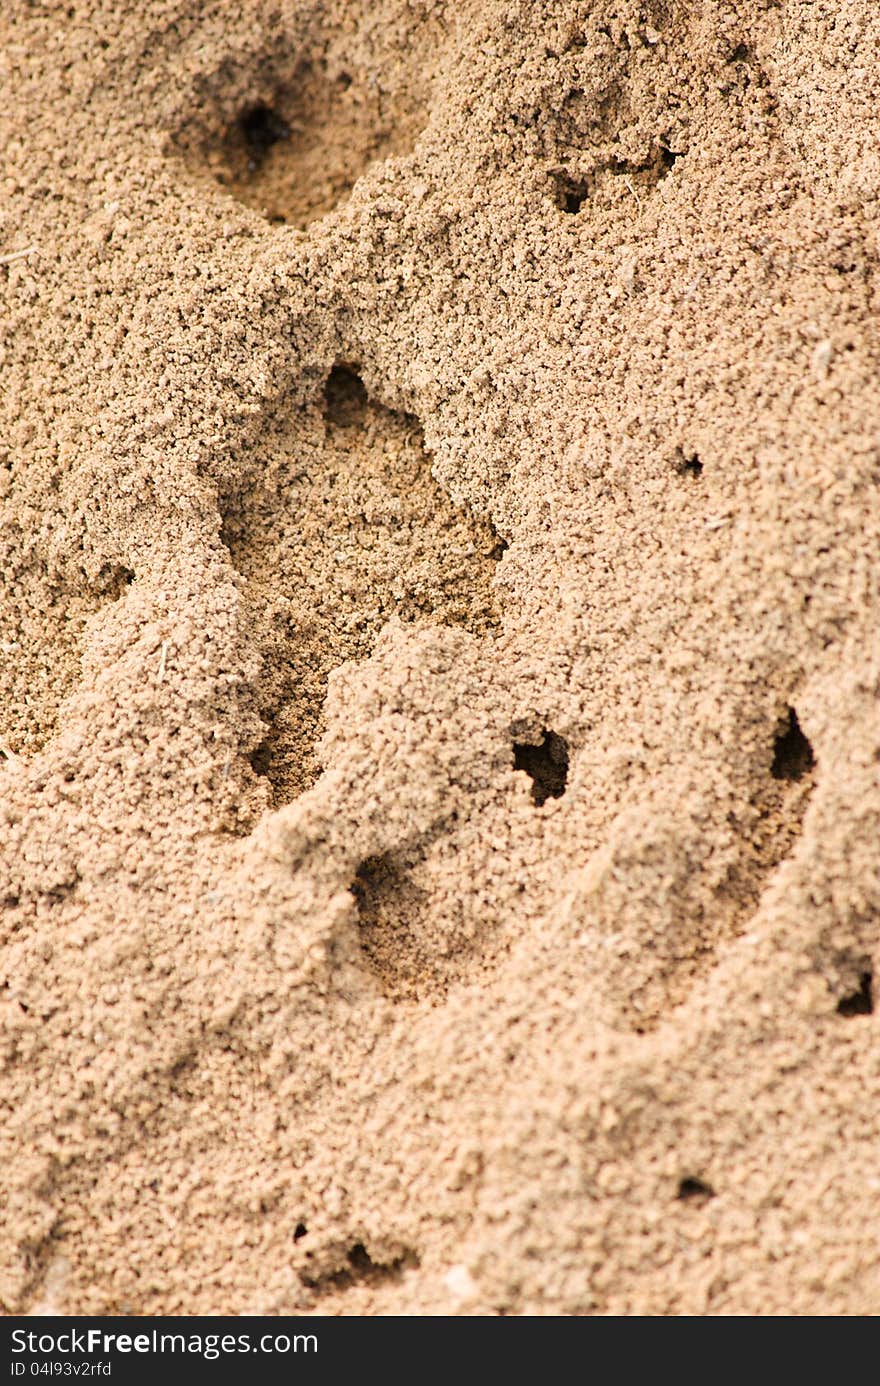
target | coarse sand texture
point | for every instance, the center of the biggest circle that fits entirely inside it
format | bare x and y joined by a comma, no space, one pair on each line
439,657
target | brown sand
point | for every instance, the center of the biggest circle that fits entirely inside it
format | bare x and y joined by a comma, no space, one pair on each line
439,664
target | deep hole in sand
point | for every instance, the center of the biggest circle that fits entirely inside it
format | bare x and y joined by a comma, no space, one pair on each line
260,128
345,397
571,194
668,159
261,758
859,1002
692,1190
546,765
793,756
688,464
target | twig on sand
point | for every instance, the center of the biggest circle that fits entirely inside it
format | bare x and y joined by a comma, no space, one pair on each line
18,255
628,182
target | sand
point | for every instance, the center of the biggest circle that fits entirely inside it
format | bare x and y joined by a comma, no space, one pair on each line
439,670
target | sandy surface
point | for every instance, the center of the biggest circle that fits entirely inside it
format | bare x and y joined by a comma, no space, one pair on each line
439,660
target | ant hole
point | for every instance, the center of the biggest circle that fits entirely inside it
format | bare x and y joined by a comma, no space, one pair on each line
499,548
688,464
261,127
667,160
545,764
792,753
860,1002
571,194
692,1190
345,397
261,758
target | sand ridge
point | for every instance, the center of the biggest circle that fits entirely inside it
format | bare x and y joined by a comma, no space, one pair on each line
438,666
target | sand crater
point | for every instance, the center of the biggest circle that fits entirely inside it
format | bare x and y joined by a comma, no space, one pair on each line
290,137
344,529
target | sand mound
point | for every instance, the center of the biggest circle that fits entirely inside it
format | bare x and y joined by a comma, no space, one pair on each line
440,777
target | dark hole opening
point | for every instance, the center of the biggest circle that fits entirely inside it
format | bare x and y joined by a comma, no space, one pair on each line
688,464
300,1231
861,1002
546,765
345,397
792,753
112,580
499,548
261,127
261,758
571,194
667,159
360,1260
693,1190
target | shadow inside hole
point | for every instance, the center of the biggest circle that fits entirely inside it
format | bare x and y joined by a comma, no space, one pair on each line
859,1002
345,397
688,464
359,1268
692,1190
260,127
546,764
667,160
570,193
793,756
261,759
